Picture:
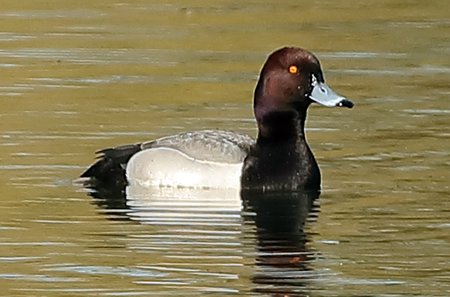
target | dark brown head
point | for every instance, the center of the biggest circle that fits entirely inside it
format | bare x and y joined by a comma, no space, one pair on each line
290,80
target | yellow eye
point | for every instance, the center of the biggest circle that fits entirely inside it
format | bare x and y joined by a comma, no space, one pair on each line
293,69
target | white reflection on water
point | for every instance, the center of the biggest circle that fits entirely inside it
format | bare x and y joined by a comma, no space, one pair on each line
166,205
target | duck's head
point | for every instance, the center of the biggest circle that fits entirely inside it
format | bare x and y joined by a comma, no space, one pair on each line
290,80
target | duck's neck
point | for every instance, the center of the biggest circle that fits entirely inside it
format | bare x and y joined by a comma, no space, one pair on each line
282,128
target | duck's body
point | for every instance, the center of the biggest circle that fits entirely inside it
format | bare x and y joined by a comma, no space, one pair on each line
279,159
208,158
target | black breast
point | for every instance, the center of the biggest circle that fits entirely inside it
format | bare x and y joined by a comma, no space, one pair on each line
281,166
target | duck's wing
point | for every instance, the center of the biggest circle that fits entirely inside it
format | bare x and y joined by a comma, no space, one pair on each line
208,145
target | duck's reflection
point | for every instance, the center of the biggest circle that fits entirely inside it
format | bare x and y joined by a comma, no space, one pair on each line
108,198
270,226
282,257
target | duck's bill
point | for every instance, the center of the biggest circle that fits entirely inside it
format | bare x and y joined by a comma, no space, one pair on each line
324,95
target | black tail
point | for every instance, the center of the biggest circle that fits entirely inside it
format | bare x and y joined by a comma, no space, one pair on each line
110,168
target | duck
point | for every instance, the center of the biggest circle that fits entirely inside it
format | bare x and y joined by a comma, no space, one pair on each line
279,159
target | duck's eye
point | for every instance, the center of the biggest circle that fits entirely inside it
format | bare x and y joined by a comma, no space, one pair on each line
293,69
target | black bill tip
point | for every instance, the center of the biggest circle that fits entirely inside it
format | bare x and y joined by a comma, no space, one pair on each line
345,103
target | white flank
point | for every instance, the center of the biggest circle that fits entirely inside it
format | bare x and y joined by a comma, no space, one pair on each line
167,167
